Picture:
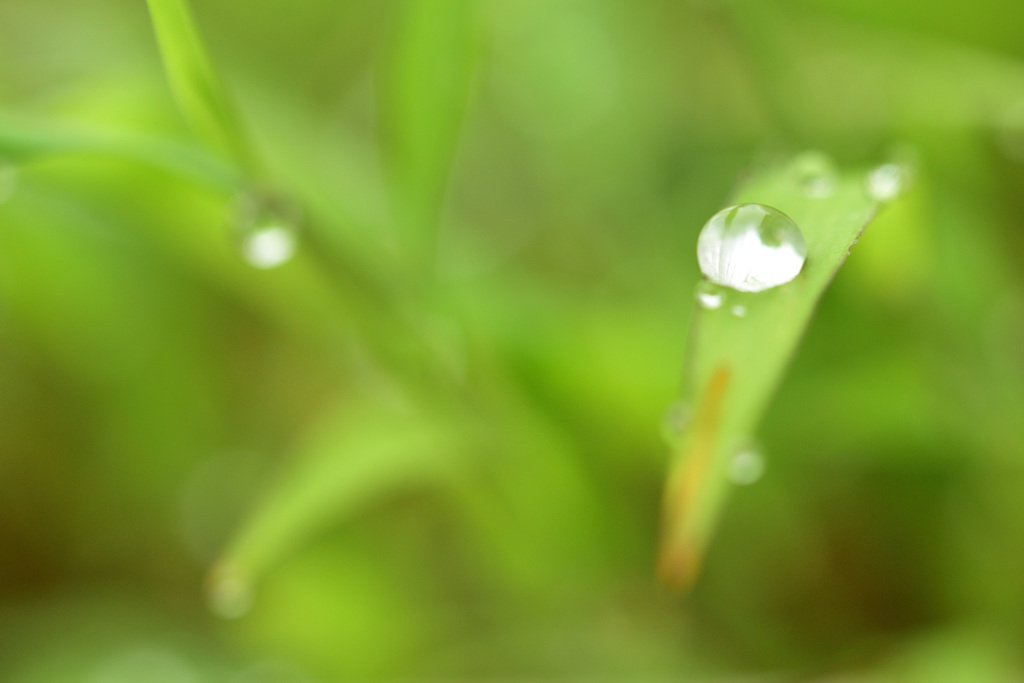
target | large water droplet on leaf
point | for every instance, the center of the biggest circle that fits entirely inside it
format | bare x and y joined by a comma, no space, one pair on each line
751,247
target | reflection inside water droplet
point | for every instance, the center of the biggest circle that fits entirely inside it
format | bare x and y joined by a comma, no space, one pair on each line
751,247
746,467
815,174
738,311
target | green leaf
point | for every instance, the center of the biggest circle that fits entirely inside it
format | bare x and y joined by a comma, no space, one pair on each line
734,364
194,81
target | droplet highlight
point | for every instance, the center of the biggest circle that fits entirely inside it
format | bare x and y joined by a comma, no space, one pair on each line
738,311
887,182
268,228
746,467
751,248
815,174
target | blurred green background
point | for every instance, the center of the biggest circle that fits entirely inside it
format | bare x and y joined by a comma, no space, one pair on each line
427,448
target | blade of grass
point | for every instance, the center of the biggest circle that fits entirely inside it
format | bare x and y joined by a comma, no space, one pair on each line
734,363
365,449
23,141
195,83
426,88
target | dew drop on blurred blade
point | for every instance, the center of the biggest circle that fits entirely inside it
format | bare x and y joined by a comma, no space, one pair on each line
746,467
229,594
674,422
751,248
886,182
815,174
268,228
738,311
269,247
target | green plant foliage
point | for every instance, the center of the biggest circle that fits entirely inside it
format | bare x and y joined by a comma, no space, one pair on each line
335,337
735,362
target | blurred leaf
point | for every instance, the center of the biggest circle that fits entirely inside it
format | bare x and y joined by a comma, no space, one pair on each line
22,140
195,83
364,448
734,364
426,89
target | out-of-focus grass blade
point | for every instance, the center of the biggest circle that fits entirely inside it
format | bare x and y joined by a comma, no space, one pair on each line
362,450
198,89
22,140
425,91
734,363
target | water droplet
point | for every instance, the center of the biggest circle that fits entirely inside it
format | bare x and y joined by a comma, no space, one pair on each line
268,227
751,247
269,247
815,174
739,311
886,182
746,467
8,180
229,594
710,300
674,422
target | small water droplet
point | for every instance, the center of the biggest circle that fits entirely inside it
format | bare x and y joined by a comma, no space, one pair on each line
751,247
886,182
8,179
229,594
674,422
739,311
746,467
815,174
268,228
269,247
710,300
